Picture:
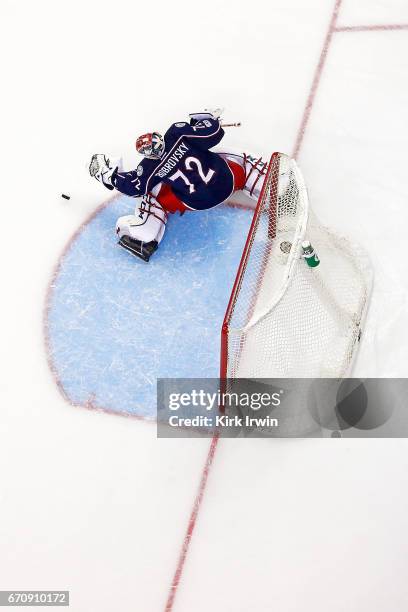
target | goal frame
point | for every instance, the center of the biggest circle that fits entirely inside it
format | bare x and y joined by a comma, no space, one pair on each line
244,258
268,203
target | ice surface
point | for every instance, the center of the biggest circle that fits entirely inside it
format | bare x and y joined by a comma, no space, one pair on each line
116,324
96,503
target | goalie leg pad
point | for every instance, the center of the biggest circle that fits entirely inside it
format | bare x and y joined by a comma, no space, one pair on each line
144,250
141,233
254,170
147,224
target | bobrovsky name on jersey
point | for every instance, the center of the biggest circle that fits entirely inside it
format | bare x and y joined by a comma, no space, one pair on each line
173,159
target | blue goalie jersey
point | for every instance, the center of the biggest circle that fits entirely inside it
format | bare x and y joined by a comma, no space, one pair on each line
200,178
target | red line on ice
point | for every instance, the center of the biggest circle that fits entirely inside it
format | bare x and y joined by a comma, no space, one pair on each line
191,524
372,28
316,79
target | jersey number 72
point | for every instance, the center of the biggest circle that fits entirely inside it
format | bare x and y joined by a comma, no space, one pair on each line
189,163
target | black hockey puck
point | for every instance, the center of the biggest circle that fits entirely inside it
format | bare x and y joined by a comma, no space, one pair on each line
65,196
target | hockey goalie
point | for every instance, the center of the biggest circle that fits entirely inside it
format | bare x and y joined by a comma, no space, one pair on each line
180,172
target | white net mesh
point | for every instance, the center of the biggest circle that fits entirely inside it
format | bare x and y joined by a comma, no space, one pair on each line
286,319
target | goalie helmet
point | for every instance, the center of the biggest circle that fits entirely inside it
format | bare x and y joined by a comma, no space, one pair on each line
150,145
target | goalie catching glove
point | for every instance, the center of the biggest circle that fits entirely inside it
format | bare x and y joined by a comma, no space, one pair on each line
103,168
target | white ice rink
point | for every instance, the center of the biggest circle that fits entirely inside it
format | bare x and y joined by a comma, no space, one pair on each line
93,502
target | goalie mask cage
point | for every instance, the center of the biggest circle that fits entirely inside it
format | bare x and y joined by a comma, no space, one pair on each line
284,318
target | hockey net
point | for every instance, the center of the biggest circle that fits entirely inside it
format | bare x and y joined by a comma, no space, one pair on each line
284,318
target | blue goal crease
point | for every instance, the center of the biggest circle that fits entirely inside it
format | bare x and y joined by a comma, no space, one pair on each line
116,324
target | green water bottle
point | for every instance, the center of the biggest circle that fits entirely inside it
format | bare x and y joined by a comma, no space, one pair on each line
310,254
